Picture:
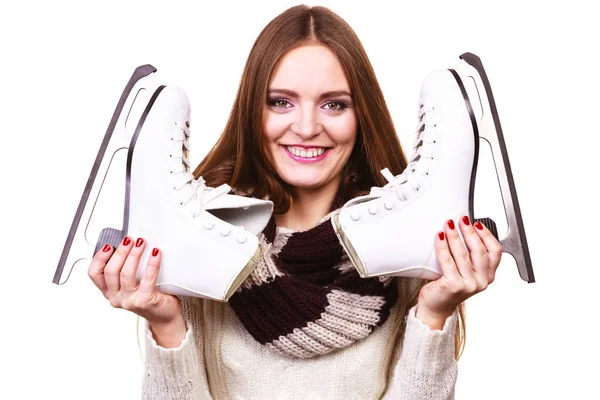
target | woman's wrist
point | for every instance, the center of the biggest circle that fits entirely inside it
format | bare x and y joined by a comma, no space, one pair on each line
434,320
171,334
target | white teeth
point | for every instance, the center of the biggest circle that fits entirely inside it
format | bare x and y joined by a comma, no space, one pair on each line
301,152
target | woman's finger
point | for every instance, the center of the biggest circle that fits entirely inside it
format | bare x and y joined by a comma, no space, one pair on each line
493,248
480,262
148,282
112,271
460,253
128,273
96,268
445,259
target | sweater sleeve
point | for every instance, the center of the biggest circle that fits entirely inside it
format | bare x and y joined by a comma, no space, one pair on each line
427,368
177,373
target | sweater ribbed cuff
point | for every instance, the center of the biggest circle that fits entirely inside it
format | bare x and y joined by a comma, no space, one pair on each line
428,351
171,373
163,350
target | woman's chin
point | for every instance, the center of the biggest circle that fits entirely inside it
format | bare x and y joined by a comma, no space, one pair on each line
304,184
307,182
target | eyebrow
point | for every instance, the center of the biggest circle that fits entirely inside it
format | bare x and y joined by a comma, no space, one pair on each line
333,93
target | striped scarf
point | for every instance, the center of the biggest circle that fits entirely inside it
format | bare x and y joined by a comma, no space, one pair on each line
305,298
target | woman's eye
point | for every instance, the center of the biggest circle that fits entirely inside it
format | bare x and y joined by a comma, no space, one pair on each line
279,103
335,105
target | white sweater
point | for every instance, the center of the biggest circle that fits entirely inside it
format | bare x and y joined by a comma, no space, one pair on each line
219,359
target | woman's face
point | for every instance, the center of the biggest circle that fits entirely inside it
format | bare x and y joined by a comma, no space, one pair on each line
309,121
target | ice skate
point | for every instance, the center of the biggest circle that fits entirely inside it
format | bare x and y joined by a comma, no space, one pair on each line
208,237
391,230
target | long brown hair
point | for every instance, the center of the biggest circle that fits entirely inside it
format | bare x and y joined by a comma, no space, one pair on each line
240,158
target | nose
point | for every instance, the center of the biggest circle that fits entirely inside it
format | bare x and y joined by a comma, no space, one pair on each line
307,125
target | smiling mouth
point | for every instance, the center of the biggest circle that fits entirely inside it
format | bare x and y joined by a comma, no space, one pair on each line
309,152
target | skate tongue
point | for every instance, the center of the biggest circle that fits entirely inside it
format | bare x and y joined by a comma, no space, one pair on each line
209,194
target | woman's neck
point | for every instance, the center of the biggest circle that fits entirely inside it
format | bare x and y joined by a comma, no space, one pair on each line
308,207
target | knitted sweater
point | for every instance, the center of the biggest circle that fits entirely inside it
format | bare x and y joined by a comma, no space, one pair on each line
219,359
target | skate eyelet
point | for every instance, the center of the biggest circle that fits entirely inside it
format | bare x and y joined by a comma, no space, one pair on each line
241,239
355,217
225,232
373,210
208,225
388,206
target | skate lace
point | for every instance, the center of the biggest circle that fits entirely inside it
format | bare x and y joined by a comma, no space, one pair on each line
414,175
192,191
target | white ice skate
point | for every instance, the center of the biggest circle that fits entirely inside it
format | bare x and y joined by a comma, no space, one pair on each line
391,231
208,237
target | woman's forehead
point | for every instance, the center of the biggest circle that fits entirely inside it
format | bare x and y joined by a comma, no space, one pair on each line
309,70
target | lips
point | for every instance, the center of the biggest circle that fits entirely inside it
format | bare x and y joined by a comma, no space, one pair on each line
306,152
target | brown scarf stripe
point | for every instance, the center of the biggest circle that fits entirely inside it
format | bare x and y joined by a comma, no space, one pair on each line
278,307
305,298
312,262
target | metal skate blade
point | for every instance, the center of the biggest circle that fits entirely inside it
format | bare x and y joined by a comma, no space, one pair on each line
107,176
488,198
470,70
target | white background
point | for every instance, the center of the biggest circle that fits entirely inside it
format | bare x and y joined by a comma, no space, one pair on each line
64,64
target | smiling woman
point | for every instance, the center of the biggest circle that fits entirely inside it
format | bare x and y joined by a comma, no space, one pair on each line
309,130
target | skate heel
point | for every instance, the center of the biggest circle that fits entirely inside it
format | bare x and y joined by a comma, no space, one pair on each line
515,241
82,239
112,236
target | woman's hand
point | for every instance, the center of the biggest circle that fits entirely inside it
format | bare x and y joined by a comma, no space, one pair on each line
465,271
116,278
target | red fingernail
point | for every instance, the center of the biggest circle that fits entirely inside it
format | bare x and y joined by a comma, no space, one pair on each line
465,219
441,235
126,241
106,248
154,252
451,224
478,225
139,242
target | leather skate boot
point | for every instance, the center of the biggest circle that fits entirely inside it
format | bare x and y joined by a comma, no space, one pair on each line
208,237
391,230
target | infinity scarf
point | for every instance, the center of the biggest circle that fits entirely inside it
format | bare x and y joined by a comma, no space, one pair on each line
305,298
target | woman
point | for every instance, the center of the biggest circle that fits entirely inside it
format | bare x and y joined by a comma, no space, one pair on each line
309,130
